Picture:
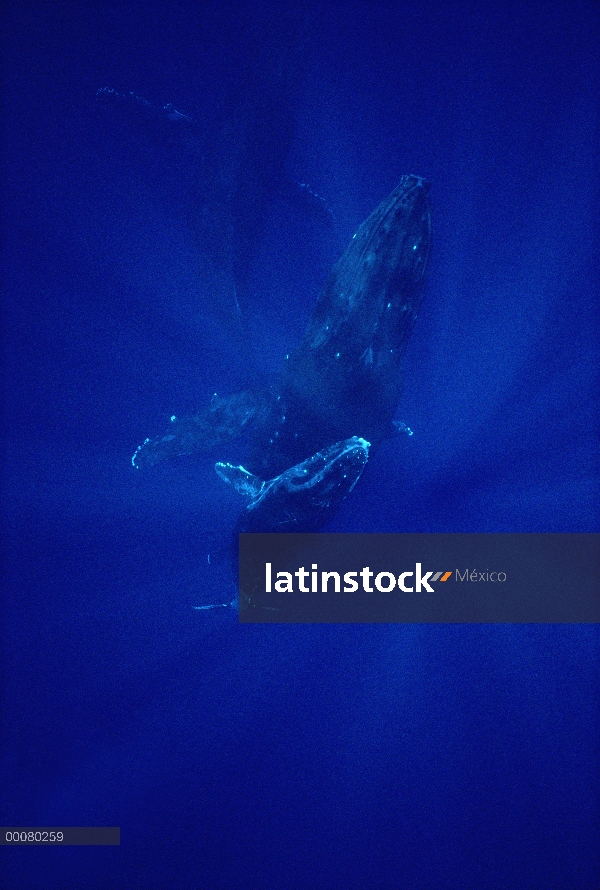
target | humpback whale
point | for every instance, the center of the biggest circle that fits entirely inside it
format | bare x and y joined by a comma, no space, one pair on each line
296,500
339,389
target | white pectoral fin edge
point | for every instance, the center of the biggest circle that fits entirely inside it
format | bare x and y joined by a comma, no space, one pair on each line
244,482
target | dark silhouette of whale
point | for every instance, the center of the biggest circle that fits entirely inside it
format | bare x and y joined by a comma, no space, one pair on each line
229,170
339,388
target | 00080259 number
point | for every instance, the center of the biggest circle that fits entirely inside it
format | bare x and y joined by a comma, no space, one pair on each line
22,837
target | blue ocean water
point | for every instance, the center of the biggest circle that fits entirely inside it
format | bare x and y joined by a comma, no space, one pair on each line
428,757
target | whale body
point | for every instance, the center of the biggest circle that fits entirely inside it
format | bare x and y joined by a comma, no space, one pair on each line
296,500
341,385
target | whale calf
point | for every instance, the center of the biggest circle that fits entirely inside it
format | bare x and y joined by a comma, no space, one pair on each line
296,500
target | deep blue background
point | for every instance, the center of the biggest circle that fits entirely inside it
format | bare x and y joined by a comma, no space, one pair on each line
267,757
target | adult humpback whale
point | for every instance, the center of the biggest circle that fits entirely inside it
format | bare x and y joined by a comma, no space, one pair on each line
339,388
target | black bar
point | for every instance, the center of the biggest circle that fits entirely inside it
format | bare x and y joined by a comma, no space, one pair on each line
420,578
59,837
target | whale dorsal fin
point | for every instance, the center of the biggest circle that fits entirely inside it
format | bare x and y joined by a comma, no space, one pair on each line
244,482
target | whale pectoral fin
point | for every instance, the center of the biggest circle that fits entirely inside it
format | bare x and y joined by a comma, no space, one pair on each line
244,482
226,418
